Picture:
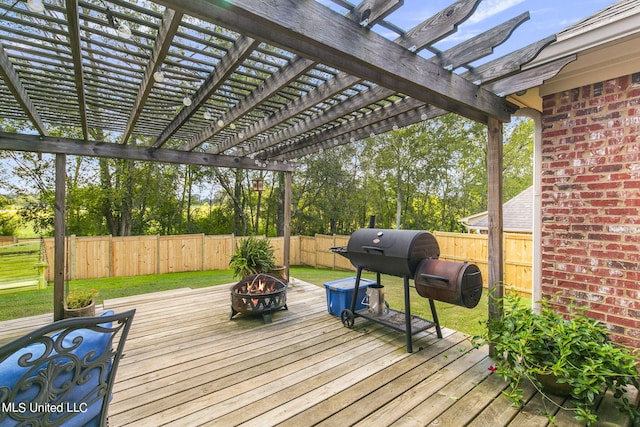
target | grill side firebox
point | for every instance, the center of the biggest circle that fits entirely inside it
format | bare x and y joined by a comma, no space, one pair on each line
410,254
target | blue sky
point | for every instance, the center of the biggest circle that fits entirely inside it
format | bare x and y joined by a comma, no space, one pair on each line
547,17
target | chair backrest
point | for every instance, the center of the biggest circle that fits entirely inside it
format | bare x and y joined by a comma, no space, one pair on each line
62,373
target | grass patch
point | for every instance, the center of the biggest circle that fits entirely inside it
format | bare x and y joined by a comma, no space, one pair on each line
29,303
18,262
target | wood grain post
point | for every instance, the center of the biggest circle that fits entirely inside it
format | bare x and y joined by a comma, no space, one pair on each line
495,238
286,250
59,244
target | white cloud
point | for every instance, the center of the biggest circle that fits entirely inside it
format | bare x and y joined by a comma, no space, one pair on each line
488,8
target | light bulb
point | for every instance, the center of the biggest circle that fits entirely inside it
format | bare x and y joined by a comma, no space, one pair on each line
124,31
220,123
207,115
158,76
35,5
232,126
186,101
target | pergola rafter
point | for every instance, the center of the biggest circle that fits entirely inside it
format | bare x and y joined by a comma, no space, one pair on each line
167,30
15,86
282,78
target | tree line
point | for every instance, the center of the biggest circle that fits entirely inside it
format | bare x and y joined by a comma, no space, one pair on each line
425,176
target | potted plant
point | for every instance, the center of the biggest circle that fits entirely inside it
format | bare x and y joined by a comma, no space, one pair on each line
80,303
252,256
554,352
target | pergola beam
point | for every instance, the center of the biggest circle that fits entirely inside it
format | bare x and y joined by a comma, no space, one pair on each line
508,64
266,90
339,83
481,45
368,12
498,74
530,78
12,80
240,51
471,50
438,26
73,23
402,118
348,106
355,123
168,28
312,30
375,10
74,147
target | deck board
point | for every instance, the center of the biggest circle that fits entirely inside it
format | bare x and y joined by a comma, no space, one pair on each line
187,363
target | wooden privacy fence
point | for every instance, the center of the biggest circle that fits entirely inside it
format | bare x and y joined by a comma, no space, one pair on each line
106,256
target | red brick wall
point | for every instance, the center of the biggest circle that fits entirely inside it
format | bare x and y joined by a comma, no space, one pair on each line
591,202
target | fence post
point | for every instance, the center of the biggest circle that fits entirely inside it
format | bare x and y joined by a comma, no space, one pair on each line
71,262
111,252
157,254
202,252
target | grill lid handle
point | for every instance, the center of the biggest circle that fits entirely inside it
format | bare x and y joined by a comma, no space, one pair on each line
434,277
372,248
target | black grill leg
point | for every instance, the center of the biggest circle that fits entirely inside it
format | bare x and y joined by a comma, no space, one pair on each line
435,317
356,288
407,315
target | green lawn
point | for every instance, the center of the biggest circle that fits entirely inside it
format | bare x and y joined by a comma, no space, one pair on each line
17,262
28,303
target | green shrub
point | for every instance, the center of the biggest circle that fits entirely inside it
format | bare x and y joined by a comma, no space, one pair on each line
576,352
252,256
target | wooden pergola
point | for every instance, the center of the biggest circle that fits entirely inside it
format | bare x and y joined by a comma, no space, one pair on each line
248,84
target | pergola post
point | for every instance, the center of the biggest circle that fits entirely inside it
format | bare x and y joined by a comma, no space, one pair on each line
495,238
286,251
59,236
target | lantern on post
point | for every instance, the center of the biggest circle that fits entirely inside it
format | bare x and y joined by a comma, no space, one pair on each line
258,186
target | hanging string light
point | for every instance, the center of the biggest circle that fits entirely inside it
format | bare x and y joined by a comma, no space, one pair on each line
35,5
186,101
207,114
123,30
158,76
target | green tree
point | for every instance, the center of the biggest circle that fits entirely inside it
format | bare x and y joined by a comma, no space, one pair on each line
326,196
518,157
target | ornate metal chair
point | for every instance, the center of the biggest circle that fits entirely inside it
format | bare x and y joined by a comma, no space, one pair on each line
62,374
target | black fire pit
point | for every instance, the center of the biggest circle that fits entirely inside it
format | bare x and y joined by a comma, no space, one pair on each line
259,294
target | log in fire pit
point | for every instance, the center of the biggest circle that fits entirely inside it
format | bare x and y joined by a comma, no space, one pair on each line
259,294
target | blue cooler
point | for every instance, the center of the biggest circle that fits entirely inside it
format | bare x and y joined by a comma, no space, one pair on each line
340,293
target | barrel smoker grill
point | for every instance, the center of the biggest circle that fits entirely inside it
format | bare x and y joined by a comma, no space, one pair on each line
410,254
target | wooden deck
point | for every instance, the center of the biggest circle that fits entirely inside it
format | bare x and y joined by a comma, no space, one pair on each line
187,364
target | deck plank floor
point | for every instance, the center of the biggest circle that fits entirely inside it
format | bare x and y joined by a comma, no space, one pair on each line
186,364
